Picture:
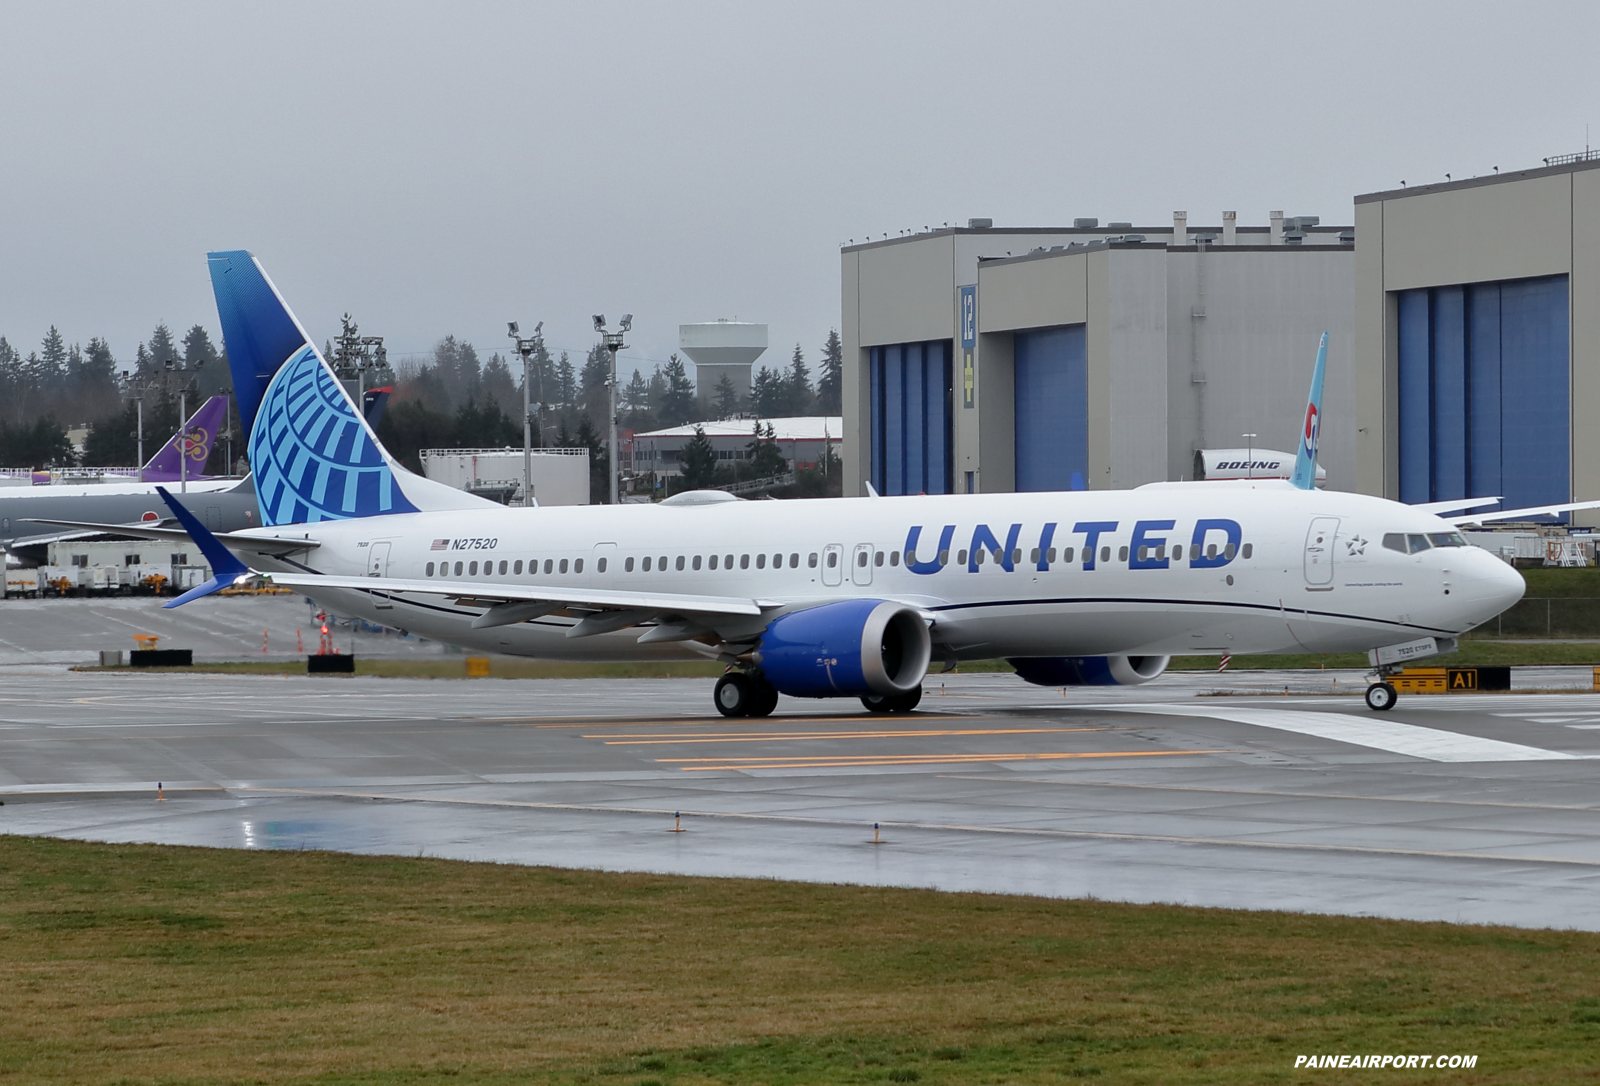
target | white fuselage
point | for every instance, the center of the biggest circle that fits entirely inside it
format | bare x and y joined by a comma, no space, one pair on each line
1308,571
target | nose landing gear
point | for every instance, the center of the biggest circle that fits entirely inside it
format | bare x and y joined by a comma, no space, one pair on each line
1381,697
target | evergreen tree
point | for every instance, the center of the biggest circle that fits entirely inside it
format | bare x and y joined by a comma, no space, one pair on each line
699,461
163,353
797,385
677,401
770,395
566,382
766,459
830,384
50,372
198,350
594,392
658,392
14,387
40,444
726,399
500,389
113,439
599,463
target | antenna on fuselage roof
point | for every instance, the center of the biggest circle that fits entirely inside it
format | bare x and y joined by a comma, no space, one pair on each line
1305,461
872,491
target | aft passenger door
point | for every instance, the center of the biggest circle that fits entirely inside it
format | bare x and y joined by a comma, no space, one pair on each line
833,564
861,564
1319,553
378,566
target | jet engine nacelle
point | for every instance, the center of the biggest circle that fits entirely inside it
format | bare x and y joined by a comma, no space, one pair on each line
1089,670
853,648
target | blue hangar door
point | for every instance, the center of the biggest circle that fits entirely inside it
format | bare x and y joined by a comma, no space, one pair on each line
1485,392
910,408
1052,409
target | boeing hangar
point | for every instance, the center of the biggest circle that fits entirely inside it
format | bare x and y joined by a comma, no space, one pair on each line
1464,323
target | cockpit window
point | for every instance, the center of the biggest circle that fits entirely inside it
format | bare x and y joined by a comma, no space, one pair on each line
1415,543
1446,539
1395,541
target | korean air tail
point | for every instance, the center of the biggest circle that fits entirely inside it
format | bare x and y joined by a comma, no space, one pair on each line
193,441
1305,461
313,456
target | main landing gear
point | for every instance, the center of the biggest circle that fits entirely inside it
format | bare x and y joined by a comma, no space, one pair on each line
893,703
738,694
1381,697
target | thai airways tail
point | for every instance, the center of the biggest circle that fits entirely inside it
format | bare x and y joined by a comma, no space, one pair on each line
312,454
192,442
1305,461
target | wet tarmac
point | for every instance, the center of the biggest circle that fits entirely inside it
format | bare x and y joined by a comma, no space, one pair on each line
1197,789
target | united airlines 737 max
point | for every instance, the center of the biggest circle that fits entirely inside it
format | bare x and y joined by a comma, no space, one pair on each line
846,597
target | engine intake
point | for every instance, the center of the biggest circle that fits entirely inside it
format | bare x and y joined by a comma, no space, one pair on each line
1089,670
853,648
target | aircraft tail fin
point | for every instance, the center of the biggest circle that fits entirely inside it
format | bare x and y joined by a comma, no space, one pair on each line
193,440
312,455
1305,461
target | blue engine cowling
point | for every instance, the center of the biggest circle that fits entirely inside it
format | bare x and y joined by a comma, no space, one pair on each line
1089,670
853,648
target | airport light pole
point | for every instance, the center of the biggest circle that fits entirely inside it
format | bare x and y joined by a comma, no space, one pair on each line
527,348
613,343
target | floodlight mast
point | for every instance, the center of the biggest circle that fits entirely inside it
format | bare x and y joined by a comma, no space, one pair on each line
613,343
527,348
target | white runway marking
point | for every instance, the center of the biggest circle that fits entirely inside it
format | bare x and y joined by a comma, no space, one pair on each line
1393,736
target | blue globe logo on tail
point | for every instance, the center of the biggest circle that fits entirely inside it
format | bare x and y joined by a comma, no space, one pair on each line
313,458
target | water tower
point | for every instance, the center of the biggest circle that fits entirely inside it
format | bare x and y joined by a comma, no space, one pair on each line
721,349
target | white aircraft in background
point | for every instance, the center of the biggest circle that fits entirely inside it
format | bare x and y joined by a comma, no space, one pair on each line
848,597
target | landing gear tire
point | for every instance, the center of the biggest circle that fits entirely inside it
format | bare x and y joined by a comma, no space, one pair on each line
1381,697
763,699
892,703
733,694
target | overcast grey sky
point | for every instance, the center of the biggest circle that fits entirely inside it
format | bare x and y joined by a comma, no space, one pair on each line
444,168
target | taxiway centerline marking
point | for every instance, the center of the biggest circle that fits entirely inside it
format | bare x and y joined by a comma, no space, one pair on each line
825,761
659,738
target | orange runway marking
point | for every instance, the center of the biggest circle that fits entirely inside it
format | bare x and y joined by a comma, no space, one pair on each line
658,738
825,761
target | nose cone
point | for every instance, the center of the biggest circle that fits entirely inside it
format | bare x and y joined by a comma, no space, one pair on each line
1490,584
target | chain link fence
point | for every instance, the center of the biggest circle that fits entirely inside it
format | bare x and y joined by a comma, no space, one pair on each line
1567,616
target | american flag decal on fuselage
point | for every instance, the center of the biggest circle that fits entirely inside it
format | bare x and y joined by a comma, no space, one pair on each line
440,545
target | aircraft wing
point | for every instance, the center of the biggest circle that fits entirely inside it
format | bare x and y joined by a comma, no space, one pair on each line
1450,507
255,544
517,603
1520,514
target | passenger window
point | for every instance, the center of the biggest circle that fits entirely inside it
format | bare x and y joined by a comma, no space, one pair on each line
894,558
458,569
713,562
488,569
627,565
1144,554
961,558
1416,543
794,561
1211,551
744,561
811,562
1016,555
697,561
1161,553
647,563
502,569
600,566
563,565
1228,552
1177,552
549,566
833,559
1035,556
1105,554
473,569
877,559
761,561
1066,554
727,561
518,567
944,558
430,569
1247,549
980,556
680,563
861,559
1122,554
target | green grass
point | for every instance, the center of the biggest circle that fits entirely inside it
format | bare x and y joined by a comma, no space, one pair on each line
154,964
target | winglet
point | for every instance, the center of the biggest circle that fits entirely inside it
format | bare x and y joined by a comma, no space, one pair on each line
225,568
1305,461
